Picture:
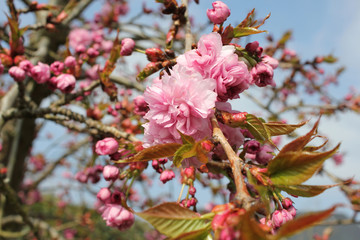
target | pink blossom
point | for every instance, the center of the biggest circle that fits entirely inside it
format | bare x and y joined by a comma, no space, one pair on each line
106,146
79,36
292,211
117,216
270,61
17,74
41,73
110,173
26,65
167,175
127,46
182,101
107,45
262,75
219,13
57,67
65,82
70,61
213,60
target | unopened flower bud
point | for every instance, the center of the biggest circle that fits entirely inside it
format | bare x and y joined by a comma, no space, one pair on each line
57,67
277,218
167,175
286,203
70,62
104,194
155,54
219,13
110,173
127,46
106,146
251,47
17,74
117,216
292,211
192,190
252,146
65,82
41,73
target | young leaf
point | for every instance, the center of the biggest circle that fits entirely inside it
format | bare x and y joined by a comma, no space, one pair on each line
185,151
292,168
250,229
186,139
200,154
303,222
304,190
278,128
258,129
173,220
201,234
153,152
246,31
299,143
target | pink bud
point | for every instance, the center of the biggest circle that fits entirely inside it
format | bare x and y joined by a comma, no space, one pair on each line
104,194
219,13
262,75
40,73
277,218
292,211
1,67
65,82
127,46
106,146
80,48
167,175
17,74
141,107
81,177
251,47
286,216
57,67
118,217
116,197
70,62
286,203
252,146
110,173
92,52
192,191
26,65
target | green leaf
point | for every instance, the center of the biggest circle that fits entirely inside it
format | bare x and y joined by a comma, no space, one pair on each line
186,139
304,190
201,234
153,152
258,129
302,222
278,128
293,168
185,151
173,220
246,31
330,59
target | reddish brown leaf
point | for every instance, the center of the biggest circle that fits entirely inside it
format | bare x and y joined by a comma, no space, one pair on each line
279,128
154,152
292,168
300,142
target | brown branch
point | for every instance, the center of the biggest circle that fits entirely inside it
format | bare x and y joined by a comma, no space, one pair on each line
242,196
42,112
188,35
12,199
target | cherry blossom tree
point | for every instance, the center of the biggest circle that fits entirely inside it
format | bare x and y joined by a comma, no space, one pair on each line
141,103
